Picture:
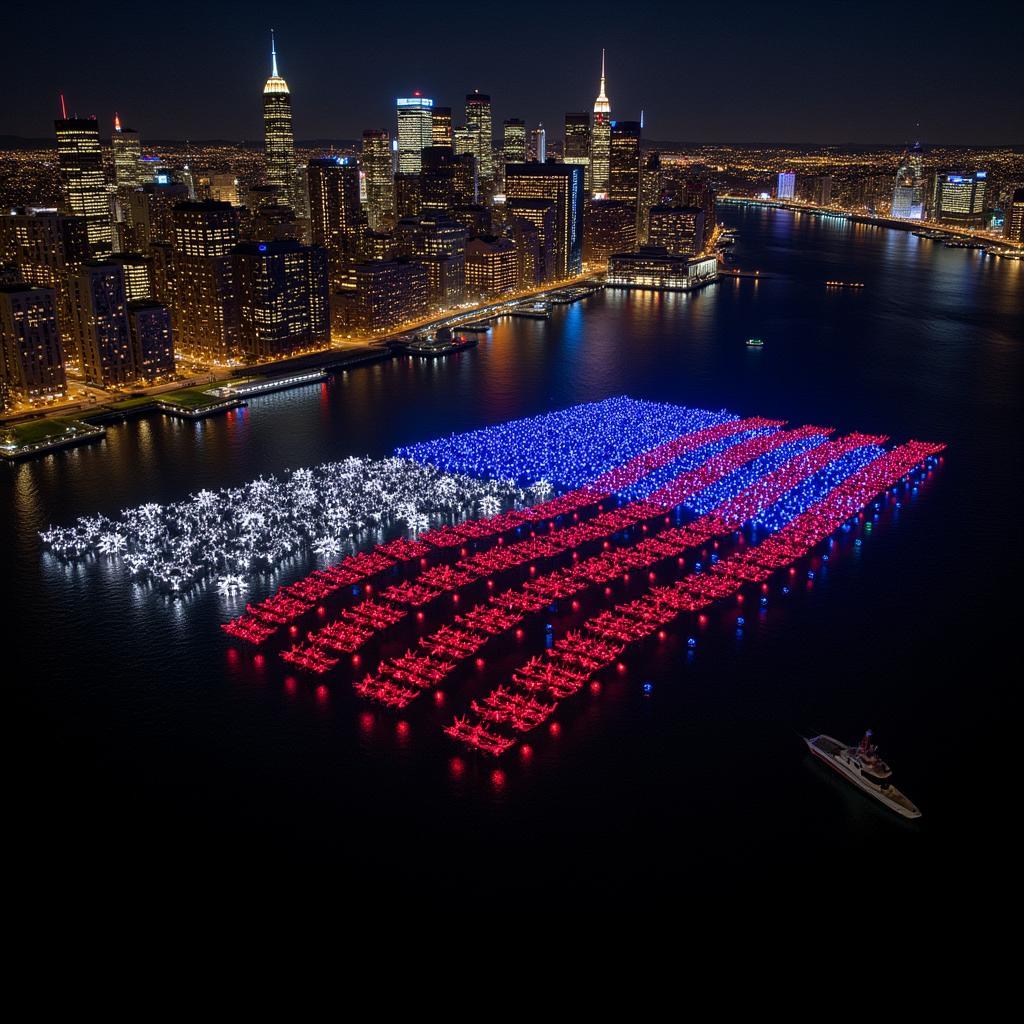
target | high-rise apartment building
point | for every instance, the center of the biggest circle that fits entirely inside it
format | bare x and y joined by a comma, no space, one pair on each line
380,179
152,337
610,229
908,192
491,266
624,162
102,336
31,357
83,182
205,290
651,186
679,230
542,214
282,298
1013,220
959,199
441,127
563,185
785,187
415,131
336,215
151,214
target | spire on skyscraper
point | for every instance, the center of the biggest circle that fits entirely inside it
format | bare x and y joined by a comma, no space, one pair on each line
275,83
273,56
601,104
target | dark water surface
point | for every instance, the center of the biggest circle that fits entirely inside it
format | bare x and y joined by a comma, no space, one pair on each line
137,745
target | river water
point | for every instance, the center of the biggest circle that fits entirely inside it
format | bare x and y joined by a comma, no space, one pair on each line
139,740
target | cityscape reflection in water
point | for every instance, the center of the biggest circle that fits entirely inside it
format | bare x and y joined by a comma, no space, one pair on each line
140,722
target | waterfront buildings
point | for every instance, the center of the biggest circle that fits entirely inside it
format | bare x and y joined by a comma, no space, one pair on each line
415,131
542,215
205,289
610,228
387,294
959,199
679,230
102,337
152,339
278,139
785,187
908,193
491,267
655,269
83,182
31,356
379,177
1013,223
600,141
563,185
283,298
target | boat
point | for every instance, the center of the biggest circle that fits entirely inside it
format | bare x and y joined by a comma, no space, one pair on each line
477,327
755,343
862,766
430,346
532,310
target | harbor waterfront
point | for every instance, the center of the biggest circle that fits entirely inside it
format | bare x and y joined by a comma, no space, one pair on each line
143,728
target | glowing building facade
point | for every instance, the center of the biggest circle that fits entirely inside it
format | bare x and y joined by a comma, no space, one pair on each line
785,187
337,219
278,139
563,185
379,178
31,357
415,131
478,115
576,149
513,141
83,182
959,199
908,192
600,141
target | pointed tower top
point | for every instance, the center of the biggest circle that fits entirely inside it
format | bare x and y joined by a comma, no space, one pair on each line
275,83
601,104
117,122
273,56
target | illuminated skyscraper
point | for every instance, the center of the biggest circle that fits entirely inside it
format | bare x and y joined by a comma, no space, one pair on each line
679,230
600,140
624,162
380,180
650,193
1013,223
128,175
908,193
959,199
415,131
611,229
336,215
786,186
278,140
563,184
83,183
205,290
467,144
283,298
441,126
152,338
539,144
577,144
513,141
478,113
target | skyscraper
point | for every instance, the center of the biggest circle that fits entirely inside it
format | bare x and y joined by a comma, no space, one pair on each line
415,131
205,290
283,298
441,126
336,215
959,199
1013,222
600,140
539,144
908,193
678,230
380,180
563,184
513,141
786,185
127,147
624,162
650,193
83,183
577,144
278,140
152,338
478,113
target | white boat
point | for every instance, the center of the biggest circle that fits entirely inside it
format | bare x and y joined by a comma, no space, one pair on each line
862,766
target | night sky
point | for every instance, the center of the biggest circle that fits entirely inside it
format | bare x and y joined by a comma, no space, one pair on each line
773,71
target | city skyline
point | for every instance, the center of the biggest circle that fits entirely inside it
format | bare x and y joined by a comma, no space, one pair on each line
822,97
